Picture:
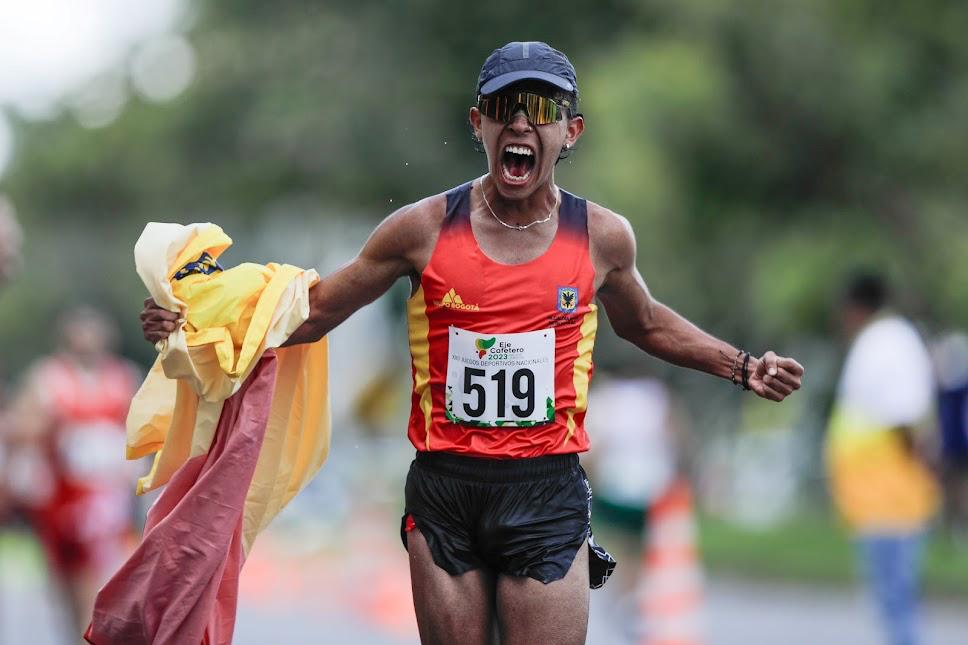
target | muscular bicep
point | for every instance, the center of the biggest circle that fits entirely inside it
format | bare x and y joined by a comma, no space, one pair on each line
638,317
626,300
622,291
388,255
360,281
654,327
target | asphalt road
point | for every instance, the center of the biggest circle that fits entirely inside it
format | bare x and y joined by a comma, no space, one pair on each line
358,592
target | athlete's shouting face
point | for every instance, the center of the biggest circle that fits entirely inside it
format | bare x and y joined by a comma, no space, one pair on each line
524,129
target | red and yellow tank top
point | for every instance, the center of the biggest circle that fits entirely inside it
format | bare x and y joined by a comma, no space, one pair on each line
502,354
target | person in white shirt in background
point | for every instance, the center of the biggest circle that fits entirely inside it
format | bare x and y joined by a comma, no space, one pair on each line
880,481
639,463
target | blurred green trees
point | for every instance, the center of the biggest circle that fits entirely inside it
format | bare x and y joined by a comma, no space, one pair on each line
759,149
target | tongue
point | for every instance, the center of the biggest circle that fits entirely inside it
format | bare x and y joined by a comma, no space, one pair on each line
518,165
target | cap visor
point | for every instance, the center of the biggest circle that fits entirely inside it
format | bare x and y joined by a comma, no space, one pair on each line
502,81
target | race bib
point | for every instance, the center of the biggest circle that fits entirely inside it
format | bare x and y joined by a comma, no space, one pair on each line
501,379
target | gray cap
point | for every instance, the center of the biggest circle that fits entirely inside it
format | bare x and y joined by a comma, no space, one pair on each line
520,61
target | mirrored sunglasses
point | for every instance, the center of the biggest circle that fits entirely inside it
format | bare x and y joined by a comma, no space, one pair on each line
541,109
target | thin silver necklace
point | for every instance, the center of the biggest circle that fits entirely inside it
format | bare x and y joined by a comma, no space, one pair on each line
525,226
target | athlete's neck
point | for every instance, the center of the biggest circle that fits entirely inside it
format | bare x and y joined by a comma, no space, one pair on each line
521,212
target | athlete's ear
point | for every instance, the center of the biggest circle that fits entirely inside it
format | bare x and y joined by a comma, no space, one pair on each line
475,118
576,125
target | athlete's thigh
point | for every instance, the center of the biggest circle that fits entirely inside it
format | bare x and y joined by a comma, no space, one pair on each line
450,609
529,611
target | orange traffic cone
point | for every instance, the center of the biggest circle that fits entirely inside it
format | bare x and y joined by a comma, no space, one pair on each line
669,592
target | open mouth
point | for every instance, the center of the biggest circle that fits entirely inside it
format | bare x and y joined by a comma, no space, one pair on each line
517,162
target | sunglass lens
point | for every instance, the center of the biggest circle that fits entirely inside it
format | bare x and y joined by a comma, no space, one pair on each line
502,107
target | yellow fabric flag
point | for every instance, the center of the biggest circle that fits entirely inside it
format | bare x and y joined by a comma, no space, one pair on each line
228,320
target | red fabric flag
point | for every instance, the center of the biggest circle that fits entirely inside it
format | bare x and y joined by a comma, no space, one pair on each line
181,584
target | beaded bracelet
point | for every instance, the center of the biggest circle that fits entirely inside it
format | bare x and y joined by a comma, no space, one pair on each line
732,372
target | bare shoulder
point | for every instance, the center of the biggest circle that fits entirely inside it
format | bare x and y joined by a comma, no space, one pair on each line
610,238
410,232
416,220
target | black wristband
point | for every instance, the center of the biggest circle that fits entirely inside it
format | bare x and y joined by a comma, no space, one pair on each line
746,371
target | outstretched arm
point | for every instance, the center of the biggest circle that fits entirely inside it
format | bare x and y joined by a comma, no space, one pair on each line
393,251
359,282
639,318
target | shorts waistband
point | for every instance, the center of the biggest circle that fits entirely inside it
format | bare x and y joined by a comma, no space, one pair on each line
497,470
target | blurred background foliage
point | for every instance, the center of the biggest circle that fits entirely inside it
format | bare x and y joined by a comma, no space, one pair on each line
760,150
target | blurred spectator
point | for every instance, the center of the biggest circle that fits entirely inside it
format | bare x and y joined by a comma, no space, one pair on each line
10,240
879,480
951,365
67,464
638,466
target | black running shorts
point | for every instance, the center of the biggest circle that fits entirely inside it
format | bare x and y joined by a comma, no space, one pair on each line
520,517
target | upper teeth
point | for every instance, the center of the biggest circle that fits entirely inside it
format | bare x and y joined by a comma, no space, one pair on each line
519,150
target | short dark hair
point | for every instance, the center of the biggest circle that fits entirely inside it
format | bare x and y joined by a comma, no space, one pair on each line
867,289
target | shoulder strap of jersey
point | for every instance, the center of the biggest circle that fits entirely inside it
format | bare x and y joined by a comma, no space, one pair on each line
458,204
573,214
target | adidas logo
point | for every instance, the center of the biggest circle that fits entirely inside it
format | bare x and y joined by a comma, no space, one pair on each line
454,301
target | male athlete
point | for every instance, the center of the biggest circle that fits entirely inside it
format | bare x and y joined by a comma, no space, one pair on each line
504,271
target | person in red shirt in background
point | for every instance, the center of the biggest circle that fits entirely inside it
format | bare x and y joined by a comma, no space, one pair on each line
68,473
